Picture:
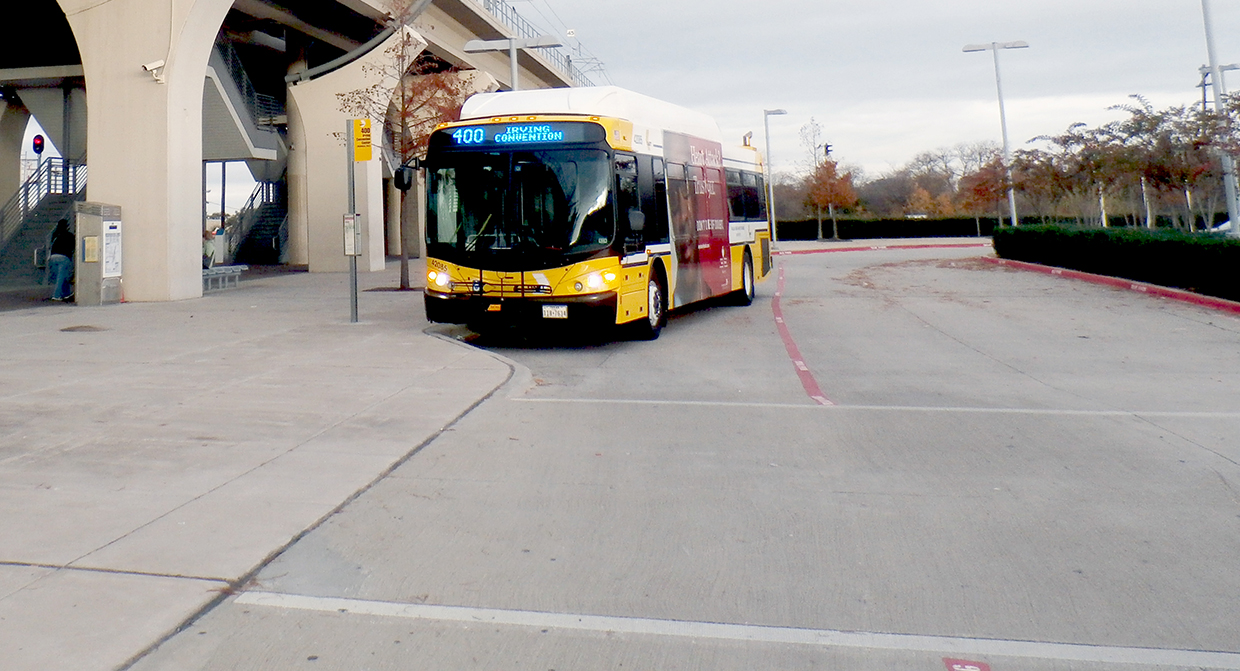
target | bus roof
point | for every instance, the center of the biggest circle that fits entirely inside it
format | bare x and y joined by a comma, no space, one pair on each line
601,101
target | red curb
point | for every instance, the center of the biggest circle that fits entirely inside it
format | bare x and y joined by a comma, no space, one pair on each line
1180,295
868,248
808,382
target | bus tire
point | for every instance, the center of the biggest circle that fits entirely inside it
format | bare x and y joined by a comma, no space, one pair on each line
656,309
744,295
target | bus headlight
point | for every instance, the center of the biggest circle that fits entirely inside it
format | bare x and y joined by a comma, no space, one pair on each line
597,281
439,279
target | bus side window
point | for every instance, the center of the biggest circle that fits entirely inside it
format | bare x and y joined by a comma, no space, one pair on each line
761,198
628,204
736,196
656,219
750,196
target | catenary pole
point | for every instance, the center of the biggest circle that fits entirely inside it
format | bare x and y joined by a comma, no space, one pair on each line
1229,165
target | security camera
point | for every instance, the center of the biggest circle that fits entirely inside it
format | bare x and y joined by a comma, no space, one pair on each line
153,65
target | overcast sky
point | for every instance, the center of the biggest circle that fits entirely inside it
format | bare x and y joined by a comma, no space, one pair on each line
887,79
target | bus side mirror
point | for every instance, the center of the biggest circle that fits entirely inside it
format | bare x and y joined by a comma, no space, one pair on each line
637,220
404,177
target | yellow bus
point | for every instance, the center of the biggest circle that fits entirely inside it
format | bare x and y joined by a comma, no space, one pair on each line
595,205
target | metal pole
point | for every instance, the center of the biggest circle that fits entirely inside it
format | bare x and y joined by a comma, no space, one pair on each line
770,188
1229,166
223,191
352,209
512,61
1007,148
770,174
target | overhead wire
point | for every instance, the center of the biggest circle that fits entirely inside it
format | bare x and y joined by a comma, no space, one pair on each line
593,64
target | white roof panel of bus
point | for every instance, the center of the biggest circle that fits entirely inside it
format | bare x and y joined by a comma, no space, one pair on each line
603,101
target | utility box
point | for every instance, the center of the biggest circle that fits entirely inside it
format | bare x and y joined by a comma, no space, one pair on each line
97,263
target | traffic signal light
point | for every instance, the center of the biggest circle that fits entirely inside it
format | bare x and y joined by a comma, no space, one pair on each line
38,145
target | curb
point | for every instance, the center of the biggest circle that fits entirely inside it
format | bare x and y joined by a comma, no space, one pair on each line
1220,304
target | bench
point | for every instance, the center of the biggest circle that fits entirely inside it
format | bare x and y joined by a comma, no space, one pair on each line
221,277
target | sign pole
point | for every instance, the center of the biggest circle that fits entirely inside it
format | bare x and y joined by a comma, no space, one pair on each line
350,233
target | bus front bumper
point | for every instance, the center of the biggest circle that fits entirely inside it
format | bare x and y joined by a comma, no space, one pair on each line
595,309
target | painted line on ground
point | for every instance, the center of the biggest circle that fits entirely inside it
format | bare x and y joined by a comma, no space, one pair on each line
803,372
751,633
1067,412
871,248
1180,295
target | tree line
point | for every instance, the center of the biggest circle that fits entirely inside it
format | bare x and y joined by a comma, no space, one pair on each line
1152,167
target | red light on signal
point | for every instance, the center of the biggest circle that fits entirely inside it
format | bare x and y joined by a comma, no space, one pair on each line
38,144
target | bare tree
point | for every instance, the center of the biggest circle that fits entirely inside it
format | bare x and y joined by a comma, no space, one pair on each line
413,93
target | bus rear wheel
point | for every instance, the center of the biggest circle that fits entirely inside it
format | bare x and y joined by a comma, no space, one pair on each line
744,295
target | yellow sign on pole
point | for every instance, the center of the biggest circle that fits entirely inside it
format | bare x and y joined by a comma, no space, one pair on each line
361,140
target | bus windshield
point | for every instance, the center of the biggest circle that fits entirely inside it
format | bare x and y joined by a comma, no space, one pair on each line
541,205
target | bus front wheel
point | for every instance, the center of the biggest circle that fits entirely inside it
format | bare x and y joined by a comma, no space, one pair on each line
656,310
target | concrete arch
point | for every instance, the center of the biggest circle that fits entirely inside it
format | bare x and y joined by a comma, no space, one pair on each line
144,130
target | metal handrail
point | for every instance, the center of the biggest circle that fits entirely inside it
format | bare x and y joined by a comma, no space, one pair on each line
509,16
263,108
53,176
247,216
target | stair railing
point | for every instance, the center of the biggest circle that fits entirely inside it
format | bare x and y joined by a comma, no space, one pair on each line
250,213
53,176
264,109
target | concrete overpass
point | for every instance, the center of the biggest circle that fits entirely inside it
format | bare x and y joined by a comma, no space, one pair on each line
145,91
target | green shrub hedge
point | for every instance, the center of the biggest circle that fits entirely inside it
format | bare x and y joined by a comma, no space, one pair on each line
863,229
1204,263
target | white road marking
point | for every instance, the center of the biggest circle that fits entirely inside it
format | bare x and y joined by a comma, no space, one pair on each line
755,633
895,408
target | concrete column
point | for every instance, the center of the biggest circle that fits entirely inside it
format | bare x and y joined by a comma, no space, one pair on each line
318,163
144,131
13,120
369,183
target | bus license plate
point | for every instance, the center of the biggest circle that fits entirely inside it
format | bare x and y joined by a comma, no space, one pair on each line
555,311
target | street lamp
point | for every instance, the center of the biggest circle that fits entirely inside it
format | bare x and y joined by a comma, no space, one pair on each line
511,44
770,186
1229,166
1007,150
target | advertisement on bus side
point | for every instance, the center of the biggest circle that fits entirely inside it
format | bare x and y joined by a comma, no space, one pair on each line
697,207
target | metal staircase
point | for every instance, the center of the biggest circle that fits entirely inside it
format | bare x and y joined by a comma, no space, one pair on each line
30,215
262,231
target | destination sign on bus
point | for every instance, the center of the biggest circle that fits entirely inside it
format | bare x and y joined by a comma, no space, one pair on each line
517,134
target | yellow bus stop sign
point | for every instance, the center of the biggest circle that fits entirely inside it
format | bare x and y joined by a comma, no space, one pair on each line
361,140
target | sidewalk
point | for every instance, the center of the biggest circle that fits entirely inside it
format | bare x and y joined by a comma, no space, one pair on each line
154,454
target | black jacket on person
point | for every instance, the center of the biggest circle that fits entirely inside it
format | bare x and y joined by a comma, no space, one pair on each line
63,242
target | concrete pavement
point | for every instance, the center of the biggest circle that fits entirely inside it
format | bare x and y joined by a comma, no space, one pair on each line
152,456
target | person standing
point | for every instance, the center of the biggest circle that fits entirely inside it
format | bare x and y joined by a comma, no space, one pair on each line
60,261
208,248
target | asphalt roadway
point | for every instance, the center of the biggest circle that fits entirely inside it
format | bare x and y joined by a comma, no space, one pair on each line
904,459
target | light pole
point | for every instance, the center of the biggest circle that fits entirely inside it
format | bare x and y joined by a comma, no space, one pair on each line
770,186
511,44
1007,149
1229,166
